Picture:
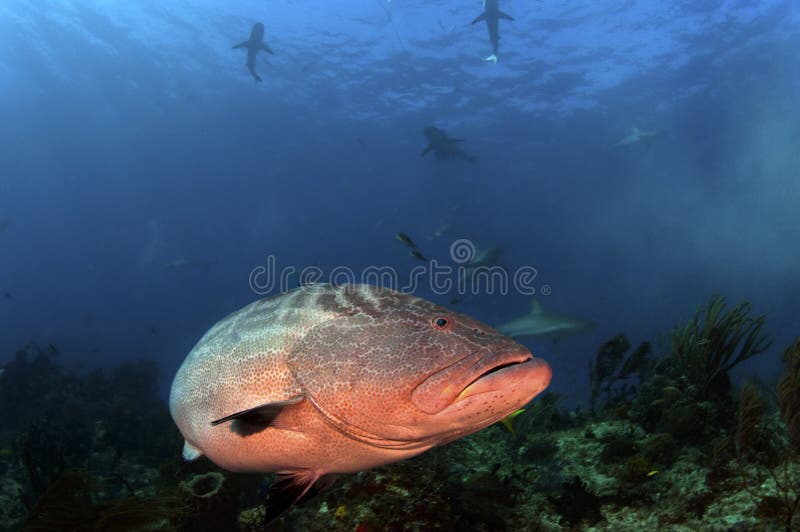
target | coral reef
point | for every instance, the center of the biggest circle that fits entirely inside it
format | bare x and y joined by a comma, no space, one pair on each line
766,448
714,341
668,443
212,503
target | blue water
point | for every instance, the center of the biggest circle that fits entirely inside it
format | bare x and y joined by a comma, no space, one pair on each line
132,137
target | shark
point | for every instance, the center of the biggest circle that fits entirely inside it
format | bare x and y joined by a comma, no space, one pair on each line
636,136
492,15
484,260
444,147
253,45
537,322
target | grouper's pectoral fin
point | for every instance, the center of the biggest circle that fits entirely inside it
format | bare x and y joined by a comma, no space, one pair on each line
258,418
289,489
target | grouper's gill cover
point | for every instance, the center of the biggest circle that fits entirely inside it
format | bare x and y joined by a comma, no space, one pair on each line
328,379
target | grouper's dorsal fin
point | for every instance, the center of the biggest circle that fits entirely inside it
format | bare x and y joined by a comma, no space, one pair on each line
536,307
257,418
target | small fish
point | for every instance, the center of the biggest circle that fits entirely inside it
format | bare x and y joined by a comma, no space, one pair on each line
508,421
405,239
52,349
441,230
341,512
637,136
417,255
704,341
652,473
7,295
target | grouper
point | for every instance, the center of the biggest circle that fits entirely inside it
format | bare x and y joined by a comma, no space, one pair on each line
329,379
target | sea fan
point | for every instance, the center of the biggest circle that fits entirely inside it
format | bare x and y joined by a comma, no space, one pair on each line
789,394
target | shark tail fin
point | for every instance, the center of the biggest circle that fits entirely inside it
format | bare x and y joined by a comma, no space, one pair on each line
536,307
504,15
241,45
253,73
480,17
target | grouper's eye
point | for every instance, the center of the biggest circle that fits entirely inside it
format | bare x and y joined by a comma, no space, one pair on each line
441,323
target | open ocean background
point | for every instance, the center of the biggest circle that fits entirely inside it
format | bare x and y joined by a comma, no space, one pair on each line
143,173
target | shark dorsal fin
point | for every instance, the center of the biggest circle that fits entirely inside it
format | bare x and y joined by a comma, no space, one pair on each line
536,307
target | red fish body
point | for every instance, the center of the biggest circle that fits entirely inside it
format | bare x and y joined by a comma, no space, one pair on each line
325,380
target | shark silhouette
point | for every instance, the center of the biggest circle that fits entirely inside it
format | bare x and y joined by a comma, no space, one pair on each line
484,258
254,45
540,323
492,15
443,146
638,135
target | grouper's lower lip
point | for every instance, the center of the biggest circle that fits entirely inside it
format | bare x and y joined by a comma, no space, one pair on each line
534,374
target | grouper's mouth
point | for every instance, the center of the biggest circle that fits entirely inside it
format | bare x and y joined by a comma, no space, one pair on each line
512,367
505,372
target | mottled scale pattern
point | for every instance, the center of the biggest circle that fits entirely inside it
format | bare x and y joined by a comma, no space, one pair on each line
380,379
